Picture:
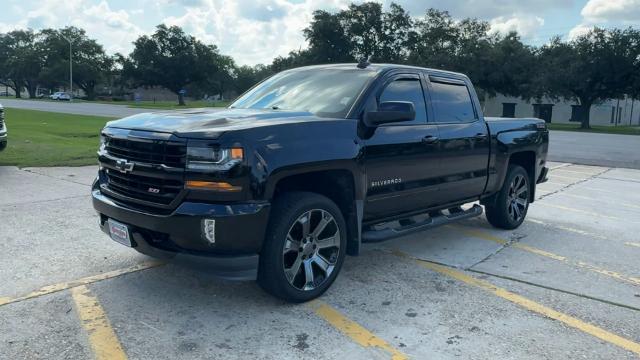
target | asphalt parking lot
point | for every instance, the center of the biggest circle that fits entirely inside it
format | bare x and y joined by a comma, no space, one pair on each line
566,284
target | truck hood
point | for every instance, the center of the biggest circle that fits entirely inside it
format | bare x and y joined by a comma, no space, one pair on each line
209,123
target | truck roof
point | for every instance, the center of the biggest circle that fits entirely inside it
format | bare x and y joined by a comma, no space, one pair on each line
380,67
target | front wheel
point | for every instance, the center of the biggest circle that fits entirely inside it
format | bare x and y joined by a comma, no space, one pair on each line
512,202
304,248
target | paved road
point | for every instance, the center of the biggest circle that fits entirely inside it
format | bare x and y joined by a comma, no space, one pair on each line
595,149
80,108
575,261
574,147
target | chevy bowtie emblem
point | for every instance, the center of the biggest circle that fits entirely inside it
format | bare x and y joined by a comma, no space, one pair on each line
124,166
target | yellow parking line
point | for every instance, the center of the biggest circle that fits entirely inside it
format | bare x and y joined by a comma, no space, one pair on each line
559,166
554,176
533,306
594,199
622,179
567,228
353,330
590,213
581,172
549,182
84,281
102,338
632,244
580,264
589,188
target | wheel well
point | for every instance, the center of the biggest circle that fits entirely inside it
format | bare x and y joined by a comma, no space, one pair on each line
337,185
527,159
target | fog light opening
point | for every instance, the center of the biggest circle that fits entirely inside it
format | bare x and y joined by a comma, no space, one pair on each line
209,230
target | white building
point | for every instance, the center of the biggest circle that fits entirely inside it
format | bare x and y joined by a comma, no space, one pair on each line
612,112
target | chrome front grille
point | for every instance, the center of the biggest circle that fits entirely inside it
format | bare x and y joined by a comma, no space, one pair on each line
146,188
151,152
154,172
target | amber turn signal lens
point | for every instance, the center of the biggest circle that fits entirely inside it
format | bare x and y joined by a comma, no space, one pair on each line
237,154
210,185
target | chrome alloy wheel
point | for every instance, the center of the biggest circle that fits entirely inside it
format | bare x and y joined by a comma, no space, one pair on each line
311,249
518,198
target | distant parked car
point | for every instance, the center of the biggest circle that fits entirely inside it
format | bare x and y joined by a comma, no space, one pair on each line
60,95
3,130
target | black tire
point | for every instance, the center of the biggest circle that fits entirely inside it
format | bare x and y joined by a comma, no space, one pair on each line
510,207
284,227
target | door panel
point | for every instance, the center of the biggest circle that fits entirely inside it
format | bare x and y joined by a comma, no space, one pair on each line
401,160
464,151
464,140
401,170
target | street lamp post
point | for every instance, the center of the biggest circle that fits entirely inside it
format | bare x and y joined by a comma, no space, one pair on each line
70,67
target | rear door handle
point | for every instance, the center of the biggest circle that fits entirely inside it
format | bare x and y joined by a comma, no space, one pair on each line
430,139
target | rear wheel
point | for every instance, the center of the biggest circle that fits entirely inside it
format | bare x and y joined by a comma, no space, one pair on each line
512,202
304,248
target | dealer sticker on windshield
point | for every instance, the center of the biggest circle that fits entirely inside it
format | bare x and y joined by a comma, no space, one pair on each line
119,232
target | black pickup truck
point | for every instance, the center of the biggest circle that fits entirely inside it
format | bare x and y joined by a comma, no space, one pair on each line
307,165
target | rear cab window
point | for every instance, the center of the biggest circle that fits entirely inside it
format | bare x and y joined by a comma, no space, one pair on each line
451,101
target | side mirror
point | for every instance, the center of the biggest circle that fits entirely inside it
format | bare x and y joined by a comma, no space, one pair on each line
391,112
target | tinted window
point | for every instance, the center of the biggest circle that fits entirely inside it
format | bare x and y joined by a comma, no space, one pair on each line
407,90
324,92
451,103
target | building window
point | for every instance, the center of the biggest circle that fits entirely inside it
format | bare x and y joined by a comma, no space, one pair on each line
509,110
543,111
576,113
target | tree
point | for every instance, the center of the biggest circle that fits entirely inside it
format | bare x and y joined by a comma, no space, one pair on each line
594,67
327,40
363,27
247,76
511,68
397,35
436,40
172,59
91,65
21,61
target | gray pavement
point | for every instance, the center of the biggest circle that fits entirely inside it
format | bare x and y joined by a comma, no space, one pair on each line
595,149
576,254
80,108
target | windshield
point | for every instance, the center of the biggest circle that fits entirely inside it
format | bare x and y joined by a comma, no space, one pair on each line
322,92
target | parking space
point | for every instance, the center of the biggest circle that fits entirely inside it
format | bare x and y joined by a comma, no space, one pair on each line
566,284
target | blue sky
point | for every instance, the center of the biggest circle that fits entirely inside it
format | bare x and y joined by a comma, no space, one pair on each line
256,31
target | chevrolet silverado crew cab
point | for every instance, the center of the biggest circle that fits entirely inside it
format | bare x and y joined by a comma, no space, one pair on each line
3,130
307,165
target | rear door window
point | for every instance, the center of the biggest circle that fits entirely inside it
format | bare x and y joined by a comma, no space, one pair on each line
451,102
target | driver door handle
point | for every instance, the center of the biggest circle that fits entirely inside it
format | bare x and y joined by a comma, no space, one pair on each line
430,139
481,136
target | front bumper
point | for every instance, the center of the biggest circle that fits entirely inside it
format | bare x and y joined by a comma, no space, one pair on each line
239,233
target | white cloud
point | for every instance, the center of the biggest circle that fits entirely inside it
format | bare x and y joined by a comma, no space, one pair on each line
611,10
113,29
579,30
252,31
525,25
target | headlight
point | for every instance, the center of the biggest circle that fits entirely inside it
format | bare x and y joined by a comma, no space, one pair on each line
210,159
103,144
